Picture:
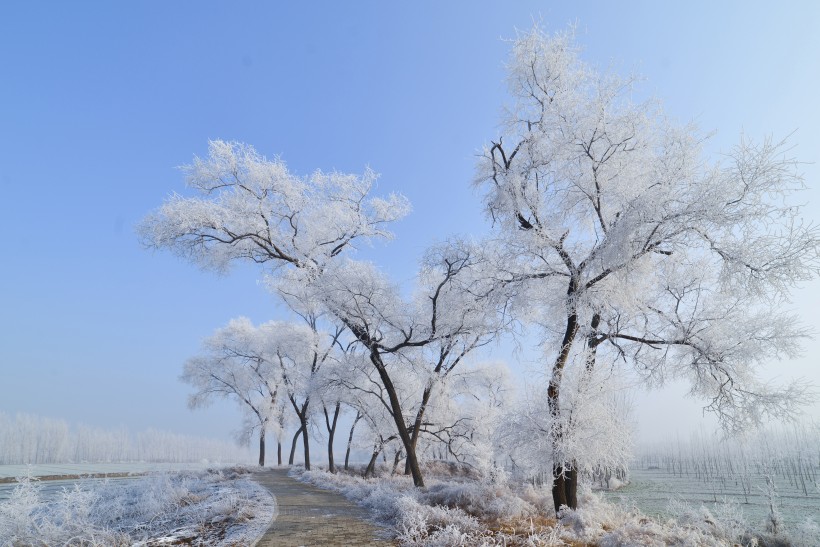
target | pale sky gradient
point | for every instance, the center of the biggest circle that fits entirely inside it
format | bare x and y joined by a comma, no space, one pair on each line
100,100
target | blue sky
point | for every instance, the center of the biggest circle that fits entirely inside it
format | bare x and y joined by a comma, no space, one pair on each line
100,100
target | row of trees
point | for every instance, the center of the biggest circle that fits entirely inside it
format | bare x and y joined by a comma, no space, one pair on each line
628,249
789,455
287,376
30,439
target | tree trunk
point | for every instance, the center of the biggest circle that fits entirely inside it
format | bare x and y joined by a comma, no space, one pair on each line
396,460
302,413
293,445
350,438
371,466
331,432
262,448
398,418
279,451
414,439
565,486
563,494
565,476
305,440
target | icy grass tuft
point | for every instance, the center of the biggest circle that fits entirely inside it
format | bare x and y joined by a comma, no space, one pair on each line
215,507
426,525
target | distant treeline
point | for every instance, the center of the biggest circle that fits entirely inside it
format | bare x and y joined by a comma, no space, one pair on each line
30,439
788,455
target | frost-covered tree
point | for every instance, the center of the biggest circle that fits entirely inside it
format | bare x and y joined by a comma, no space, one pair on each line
234,365
30,439
595,426
354,382
264,368
627,241
312,370
357,384
427,336
253,209
302,353
464,413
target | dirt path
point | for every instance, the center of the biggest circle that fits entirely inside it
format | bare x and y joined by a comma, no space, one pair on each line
308,516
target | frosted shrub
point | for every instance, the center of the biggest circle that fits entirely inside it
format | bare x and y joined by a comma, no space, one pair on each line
608,525
161,494
651,534
17,514
540,498
482,500
75,510
26,520
424,525
497,475
381,498
385,502
730,522
613,483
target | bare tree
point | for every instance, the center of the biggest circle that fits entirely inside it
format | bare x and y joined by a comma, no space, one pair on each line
628,242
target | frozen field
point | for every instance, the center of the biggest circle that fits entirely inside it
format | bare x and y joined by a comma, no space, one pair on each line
50,488
651,490
40,470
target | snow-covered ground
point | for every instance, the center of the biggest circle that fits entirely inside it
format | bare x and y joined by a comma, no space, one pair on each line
211,507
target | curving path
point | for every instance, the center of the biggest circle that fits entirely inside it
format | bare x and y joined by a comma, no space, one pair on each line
309,516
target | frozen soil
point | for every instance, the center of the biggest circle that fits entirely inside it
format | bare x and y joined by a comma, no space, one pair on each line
219,507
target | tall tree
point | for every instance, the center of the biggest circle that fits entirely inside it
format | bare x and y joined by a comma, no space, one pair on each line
632,245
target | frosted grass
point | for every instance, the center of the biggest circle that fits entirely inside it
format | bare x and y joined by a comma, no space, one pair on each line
213,507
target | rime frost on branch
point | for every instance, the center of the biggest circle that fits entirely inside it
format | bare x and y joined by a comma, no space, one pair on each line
250,207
